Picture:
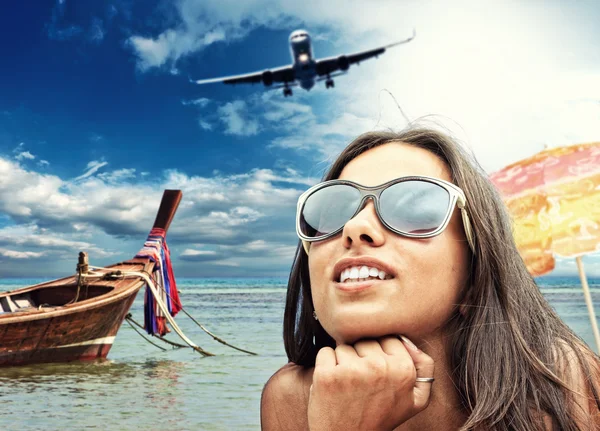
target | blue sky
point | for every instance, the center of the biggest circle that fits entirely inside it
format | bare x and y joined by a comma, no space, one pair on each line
98,114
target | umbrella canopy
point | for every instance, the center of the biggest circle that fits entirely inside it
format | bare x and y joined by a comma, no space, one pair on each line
554,200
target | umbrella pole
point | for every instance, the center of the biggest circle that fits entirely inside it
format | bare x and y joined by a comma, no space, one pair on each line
588,301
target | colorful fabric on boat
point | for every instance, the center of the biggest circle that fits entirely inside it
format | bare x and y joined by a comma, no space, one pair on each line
156,249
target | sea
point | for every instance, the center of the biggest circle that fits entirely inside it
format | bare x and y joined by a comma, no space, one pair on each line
141,387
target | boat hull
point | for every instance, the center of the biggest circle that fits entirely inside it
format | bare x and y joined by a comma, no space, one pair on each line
81,335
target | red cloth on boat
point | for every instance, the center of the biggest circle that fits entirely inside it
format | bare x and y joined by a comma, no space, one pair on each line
161,325
174,293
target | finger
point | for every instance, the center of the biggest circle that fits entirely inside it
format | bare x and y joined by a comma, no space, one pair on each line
325,363
392,345
425,368
326,358
397,351
368,347
345,354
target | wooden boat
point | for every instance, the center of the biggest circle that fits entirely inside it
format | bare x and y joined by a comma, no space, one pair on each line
67,320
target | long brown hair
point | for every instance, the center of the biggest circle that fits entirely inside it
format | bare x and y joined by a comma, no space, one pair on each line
509,351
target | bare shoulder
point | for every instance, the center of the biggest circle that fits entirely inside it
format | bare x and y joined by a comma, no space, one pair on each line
580,373
284,402
576,370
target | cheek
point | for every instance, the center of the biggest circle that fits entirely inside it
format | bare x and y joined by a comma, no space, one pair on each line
317,270
452,268
438,269
320,269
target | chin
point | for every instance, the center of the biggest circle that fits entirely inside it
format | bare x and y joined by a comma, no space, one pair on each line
350,335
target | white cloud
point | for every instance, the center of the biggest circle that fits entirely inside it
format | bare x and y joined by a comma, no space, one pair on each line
92,168
151,52
298,126
96,32
227,262
30,236
56,28
193,255
190,252
283,110
202,24
237,119
43,163
24,155
21,189
21,154
205,125
201,102
170,45
12,254
323,138
118,176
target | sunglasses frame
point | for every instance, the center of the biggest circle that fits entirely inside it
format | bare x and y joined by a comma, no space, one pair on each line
457,197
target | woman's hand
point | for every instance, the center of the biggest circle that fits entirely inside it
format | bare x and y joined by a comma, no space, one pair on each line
369,386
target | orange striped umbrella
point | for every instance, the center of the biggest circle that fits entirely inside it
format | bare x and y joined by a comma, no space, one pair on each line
554,200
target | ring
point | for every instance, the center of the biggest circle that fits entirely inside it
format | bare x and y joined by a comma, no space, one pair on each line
425,379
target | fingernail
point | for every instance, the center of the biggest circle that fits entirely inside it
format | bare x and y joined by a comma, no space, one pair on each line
409,343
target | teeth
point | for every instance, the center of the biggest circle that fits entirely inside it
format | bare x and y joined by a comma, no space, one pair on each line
364,272
361,273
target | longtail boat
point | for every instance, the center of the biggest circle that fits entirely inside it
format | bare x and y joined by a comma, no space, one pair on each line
78,317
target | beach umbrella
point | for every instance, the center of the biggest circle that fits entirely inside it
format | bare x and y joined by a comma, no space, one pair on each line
554,200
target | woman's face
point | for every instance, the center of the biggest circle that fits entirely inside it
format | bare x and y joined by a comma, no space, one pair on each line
427,275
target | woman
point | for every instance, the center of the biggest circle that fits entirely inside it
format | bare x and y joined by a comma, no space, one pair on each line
412,240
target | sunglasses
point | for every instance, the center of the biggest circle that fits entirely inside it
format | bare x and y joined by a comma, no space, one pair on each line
414,207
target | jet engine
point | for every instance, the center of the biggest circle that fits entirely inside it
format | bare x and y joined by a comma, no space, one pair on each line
267,78
343,62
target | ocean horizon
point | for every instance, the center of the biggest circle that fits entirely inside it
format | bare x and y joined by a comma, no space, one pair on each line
142,387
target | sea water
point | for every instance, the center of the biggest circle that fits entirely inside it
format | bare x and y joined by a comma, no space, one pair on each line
143,387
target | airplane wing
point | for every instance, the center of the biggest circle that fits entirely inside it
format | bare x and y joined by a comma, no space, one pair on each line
328,65
280,74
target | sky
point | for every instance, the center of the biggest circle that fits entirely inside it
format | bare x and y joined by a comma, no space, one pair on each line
98,115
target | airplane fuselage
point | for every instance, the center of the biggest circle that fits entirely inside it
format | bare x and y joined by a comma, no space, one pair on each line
302,59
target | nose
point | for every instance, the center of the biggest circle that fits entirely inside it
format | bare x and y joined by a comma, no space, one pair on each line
364,228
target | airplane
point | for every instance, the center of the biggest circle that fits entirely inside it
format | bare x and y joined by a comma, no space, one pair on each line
304,70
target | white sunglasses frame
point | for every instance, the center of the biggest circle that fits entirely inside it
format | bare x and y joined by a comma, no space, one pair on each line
457,197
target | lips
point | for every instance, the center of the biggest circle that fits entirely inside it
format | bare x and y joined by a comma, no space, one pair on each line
354,287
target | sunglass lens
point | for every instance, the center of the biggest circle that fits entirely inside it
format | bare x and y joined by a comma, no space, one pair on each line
415,207
328,209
